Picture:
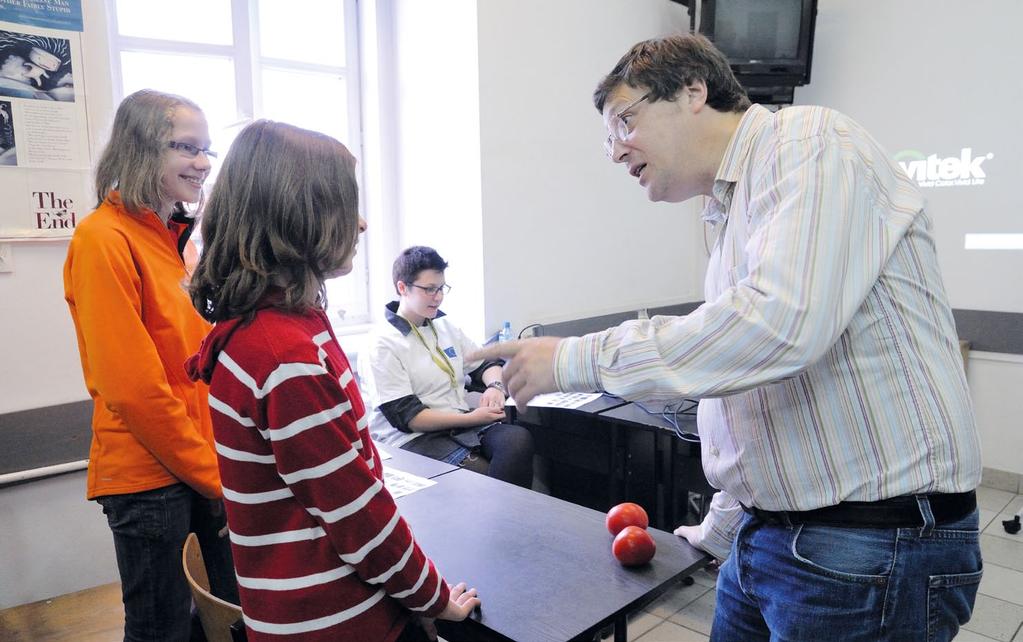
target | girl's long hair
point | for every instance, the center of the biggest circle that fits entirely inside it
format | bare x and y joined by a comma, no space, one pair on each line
132,161
284,212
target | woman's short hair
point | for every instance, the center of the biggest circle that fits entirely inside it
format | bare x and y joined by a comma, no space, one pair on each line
284,212
667,65
132,161
414,260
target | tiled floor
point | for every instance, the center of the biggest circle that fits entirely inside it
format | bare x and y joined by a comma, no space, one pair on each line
685,614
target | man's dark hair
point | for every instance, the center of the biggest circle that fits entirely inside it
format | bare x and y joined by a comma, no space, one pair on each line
414,260
667,65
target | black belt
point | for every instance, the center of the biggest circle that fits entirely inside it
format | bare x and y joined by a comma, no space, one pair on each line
896,512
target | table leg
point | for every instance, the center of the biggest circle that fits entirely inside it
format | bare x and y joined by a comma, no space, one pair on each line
618,489
621,634
662,514
671,490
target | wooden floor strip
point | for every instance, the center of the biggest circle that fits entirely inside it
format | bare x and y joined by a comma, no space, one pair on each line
92,615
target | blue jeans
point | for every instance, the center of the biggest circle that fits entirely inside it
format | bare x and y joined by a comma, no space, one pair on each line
149,534
810,582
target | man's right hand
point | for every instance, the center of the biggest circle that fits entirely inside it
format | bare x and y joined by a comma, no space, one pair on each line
528,368
460,604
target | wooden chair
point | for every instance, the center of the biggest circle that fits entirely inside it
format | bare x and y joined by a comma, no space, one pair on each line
217,616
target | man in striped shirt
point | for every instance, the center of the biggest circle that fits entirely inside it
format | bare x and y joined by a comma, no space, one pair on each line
834,411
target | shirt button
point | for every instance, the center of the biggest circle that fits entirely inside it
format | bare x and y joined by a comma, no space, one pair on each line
714,451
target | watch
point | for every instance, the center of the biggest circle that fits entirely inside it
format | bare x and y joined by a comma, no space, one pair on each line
499,385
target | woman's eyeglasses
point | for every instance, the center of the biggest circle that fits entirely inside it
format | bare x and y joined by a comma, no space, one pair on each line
432,290
190,150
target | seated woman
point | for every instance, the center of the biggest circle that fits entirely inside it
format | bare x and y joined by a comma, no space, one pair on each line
414,375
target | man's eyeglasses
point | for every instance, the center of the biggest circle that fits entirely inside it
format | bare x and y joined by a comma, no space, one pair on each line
190,150
432,290
618,129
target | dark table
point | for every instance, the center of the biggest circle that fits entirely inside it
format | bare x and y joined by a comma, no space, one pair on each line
414,463
543,567
536,414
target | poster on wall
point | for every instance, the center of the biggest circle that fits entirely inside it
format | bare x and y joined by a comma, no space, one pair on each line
8,147
35,67
43,204
44,147
49,14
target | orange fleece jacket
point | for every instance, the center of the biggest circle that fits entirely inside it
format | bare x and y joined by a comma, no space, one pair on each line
124,282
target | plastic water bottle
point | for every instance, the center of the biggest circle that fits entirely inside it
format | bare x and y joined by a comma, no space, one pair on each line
506,333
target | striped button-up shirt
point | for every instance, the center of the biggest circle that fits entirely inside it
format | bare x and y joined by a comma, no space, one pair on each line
825,356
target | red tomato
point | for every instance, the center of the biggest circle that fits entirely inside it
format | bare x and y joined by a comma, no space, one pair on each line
633,546
627,514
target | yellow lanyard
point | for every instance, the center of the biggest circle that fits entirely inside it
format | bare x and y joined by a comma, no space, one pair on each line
443,362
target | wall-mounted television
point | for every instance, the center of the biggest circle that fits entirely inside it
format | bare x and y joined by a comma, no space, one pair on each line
769,43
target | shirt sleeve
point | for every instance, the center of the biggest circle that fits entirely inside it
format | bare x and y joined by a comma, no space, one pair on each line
328,464
124,362
718,528
388,378
400,412
823,225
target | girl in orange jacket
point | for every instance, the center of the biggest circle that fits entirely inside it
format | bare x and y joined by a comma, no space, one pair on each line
152,466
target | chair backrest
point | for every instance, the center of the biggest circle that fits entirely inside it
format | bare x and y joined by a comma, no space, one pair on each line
216,615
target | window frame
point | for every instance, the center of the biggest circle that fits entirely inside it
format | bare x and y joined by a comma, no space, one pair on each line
248,65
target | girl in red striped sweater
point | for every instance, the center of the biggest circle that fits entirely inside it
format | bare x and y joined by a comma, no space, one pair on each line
319,546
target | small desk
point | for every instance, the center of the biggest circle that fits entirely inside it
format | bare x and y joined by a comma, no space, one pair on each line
577,441
601,404
414,463
635,417
543,567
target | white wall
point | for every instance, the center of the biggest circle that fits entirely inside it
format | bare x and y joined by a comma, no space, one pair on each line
52,541
995,383
438,125
566,233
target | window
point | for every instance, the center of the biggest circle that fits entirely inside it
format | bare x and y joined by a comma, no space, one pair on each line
294,61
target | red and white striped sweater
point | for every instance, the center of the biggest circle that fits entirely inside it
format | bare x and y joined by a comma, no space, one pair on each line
320,549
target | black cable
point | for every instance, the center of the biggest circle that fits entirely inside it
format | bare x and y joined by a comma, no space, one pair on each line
670,414
539,332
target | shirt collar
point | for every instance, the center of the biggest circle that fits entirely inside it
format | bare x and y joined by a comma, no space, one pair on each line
399,323
180,223
734,161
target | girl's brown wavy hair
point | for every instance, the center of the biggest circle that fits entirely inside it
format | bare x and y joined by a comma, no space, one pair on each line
284,212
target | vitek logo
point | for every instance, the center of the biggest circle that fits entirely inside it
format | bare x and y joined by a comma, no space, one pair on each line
931,171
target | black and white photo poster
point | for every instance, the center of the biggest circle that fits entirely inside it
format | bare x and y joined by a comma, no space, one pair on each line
44,146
